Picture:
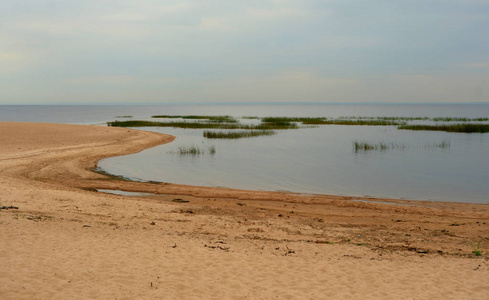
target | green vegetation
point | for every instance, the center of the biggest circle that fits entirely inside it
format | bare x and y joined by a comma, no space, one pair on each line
448,119
437,119
236,134
204,125
359,122
462,127
290,119
370,121
444,144
183,124
272,125
127,117
381,146
477,251
388,118
280,123
340,121
217,119
194,150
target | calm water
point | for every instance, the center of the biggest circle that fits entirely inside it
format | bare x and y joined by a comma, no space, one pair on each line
307,160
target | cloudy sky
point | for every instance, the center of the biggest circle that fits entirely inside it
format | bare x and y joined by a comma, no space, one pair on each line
161,51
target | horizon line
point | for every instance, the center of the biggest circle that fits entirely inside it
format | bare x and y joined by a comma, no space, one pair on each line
246,103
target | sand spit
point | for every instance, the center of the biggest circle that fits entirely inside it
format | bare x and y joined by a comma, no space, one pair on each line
67,241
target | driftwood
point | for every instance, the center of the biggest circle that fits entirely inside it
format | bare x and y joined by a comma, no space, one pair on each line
9,207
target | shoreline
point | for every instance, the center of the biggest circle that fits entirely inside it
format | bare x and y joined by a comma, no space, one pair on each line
66,240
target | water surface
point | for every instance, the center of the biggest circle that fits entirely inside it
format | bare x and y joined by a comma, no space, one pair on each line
309,160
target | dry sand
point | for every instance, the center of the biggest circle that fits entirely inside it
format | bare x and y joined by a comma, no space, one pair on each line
67,241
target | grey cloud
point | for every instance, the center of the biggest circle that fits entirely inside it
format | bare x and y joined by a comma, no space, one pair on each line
62,50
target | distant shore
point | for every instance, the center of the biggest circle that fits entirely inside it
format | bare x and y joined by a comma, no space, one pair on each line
63,239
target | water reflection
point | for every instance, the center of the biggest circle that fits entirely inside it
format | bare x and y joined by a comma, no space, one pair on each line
323,160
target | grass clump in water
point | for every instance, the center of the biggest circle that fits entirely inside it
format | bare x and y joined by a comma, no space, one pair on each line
381,146
451,119
278,123
216,119
290,119
222,119
387,118
372,121
271,126
183,124
462,127
236,134
444,144
194,150
204,125
360,122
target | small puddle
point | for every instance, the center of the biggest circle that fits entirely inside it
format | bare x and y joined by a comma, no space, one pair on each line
124,193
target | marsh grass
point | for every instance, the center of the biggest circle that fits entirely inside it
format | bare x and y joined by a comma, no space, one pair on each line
436,119
194,150
387,118
177,124
368,121
222,119
381,146
450,119
272,126
290,119
444,144
281,123
203,125
359,122
236,134
462,127
215,119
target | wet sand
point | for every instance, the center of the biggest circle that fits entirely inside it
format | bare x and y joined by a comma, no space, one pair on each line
68,241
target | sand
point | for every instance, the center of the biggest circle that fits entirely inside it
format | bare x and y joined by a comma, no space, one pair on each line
68,241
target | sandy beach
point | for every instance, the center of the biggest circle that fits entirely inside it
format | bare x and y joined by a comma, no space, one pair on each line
62,239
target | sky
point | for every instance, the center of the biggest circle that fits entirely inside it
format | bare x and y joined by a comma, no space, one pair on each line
159,51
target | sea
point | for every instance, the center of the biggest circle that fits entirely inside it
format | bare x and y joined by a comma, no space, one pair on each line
421,165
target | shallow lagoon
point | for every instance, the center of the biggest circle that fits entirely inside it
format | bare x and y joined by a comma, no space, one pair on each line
323,160
311,160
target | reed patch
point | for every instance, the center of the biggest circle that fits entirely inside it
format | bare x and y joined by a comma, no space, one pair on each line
204,125
379,146
194,150
231,134
462,127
